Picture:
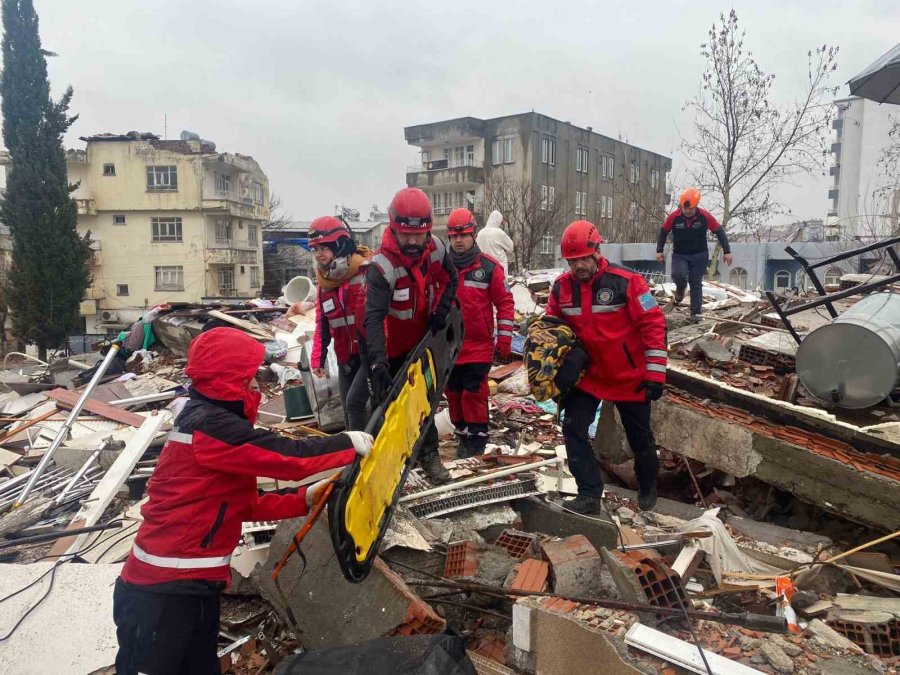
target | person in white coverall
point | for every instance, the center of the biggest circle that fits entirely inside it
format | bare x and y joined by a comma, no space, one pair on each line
495,242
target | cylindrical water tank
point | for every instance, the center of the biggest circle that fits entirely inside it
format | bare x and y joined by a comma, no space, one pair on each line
853,361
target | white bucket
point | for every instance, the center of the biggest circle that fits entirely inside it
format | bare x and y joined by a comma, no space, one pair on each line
297,289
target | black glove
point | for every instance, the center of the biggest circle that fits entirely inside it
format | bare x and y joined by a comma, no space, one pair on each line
653,391
380,381
437,320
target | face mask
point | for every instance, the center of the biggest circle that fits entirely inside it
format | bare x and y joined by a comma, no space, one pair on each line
338,268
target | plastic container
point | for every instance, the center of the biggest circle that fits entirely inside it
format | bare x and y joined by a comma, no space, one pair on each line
296,403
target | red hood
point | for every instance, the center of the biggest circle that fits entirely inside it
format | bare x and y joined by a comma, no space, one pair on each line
221,364
389,243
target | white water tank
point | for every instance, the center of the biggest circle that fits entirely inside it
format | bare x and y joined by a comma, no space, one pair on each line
854,361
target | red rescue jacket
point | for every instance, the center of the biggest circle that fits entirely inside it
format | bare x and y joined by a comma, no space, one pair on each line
621,327
482,286
204,485
340,313
401,293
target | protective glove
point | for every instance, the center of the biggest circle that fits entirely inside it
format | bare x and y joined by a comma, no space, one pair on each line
362,442
313,491
653,391
437,320
504,347
380,381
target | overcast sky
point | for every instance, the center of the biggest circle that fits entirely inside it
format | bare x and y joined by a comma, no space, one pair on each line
319,91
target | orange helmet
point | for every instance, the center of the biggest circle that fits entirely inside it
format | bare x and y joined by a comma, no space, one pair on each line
689,198
461,221
410,211
580,239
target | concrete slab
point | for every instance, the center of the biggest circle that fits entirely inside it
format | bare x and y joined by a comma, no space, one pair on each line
550,518
330,610
71,631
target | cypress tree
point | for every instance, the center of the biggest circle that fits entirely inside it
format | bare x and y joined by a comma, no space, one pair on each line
49,275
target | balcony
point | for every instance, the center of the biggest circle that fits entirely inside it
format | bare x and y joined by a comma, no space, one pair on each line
236,205
231,256
459,129
86,206
837,123
445,173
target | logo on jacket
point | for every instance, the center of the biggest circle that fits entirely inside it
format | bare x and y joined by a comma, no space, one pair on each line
604,296
478,274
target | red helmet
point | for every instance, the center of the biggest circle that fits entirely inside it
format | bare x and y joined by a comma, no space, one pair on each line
461,221
410,211
580,239
327,230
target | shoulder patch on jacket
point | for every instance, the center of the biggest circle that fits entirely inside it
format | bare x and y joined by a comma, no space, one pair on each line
647,301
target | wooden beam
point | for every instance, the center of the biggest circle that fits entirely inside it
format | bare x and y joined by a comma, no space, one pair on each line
67,399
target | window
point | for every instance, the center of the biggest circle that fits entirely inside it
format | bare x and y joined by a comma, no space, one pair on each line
547,244
543,197
601,204
166,229
578,202
632,213
109,169
223,231
545,150
635,173
254,276
551,196
121,289
609,207
497,151
738,277
610,167
552,152
581,203
226,278
252,237
509,154
426,157
162,178
833,276
223,184
782,280
470,155
654,178
169,278
581,160
257,193
119,219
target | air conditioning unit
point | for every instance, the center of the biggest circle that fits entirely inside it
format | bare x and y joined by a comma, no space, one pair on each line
108,316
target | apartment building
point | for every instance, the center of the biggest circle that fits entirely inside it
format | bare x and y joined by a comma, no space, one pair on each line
861,207
570,172
172,221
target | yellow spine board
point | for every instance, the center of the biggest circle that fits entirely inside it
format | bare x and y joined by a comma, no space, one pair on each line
379,473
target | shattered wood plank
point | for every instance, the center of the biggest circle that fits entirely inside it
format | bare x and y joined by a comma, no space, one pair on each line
93,507
681,653
255,330
67,399
688,560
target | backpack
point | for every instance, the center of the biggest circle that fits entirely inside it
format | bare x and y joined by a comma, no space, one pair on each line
554,358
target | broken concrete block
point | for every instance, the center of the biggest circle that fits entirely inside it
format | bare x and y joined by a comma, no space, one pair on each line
828,636
523,633
519,544
565,646
478,562
331,611
776,657
713,350
625,514
575,566
549,518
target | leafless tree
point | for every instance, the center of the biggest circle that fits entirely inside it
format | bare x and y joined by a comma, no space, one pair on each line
639,203
744,145
282,261
278,218
530,213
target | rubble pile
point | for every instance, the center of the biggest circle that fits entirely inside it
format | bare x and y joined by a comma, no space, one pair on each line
493,556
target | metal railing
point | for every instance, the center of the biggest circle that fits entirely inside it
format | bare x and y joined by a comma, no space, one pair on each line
443,164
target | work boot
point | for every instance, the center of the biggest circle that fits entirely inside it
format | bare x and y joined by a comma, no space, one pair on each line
693,318
583,504
476,444
462,443
678,296
434,468
647,500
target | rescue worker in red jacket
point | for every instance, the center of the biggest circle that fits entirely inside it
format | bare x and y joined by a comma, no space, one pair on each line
410,286
166,601
623,331
482,287
340,308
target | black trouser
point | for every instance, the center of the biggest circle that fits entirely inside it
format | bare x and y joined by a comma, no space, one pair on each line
429,446
689,269
166,633
354,389
581,408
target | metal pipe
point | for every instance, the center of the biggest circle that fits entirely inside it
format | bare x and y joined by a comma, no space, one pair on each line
27,356
479,479
53,536
81,471
149,398
63,432
6,486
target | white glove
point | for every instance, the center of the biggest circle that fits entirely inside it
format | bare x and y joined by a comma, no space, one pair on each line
362,442
312,492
